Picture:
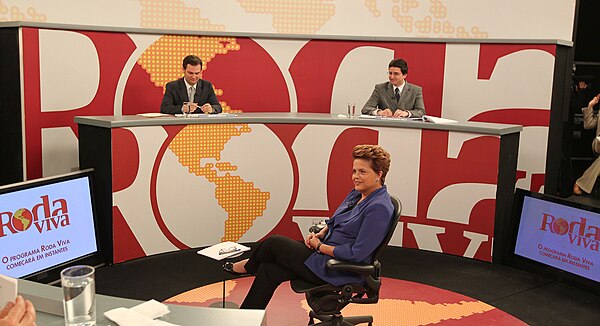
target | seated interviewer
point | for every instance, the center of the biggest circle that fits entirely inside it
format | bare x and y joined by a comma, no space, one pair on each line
396,97
21,312
190,88
353,233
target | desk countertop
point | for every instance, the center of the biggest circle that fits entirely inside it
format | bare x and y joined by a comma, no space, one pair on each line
291,118
47,300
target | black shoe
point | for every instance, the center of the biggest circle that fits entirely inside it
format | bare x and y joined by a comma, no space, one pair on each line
228,267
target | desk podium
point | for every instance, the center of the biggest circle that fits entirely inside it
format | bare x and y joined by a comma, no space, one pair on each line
256,173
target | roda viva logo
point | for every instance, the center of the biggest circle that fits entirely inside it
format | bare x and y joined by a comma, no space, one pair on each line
579,232
45,216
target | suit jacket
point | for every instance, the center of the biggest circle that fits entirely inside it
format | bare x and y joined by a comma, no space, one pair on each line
383,97
591,121
176,93
355,231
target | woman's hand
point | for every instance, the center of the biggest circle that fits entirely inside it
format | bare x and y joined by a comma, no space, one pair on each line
322,233
312,240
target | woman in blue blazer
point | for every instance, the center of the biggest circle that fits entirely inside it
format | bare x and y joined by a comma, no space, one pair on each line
353,233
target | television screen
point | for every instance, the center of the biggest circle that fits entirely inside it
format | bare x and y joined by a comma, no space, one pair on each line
46,223
559,235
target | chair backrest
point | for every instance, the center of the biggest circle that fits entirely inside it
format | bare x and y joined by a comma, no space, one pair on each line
373,281
393,223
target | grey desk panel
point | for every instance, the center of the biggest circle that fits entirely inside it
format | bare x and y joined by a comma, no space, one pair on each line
47,300
291,118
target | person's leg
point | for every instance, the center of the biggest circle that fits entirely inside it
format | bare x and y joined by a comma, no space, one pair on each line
278,259
587,180
268,278
283,251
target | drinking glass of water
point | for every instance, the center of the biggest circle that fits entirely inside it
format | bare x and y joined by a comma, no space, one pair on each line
79,295
351,110
186,108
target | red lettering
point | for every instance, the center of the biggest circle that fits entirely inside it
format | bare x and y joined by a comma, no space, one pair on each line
546,223
113,49
595,234
40,225
60,210
55,222
580,226
45,205
7,224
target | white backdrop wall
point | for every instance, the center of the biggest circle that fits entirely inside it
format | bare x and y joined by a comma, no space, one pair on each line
481,19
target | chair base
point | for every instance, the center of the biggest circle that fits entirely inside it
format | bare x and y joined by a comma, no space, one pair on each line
339,320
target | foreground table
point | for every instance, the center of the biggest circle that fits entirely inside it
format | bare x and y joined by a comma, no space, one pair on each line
48,302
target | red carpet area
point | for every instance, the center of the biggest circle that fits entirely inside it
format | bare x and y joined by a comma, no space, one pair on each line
401,303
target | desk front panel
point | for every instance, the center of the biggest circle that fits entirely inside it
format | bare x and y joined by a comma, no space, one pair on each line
186,186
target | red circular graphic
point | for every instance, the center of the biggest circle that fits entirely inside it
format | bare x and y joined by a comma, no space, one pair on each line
22,219
560,226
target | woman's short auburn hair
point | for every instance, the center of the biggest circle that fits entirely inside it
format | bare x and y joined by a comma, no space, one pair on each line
378,158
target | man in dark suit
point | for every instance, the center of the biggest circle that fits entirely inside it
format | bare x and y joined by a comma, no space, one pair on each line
191,88
397,97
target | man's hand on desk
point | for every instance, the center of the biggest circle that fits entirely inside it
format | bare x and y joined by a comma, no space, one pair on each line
189,107
401,114
207,108
385,113
398,114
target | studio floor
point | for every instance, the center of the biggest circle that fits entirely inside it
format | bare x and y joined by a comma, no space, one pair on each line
499,294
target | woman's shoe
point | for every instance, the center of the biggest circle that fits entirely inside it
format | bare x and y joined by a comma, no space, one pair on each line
228,267
577,190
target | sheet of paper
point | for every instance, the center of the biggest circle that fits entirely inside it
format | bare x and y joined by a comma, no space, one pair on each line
429,118
152,309
153,115
8,290
203,115
223,250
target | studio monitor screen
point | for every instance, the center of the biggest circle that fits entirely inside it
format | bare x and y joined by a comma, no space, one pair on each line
557,236
46,224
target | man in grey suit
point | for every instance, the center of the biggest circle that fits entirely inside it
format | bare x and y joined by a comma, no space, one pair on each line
191,88
397,98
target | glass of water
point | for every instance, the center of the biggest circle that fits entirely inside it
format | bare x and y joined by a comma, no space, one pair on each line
185,108
351,110
79,295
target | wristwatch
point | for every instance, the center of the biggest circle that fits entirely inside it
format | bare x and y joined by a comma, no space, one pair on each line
319,247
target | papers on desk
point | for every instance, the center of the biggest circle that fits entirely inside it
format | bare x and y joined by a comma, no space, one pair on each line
204,115
426,118
8,290
223,250
429,118
153,115
367,116
142,314
378,117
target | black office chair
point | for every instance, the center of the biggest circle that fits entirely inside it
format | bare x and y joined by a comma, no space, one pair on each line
327,301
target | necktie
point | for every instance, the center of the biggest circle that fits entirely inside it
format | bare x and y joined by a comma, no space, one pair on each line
191,93
397,94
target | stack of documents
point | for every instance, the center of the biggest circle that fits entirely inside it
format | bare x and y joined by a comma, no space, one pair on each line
223,250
